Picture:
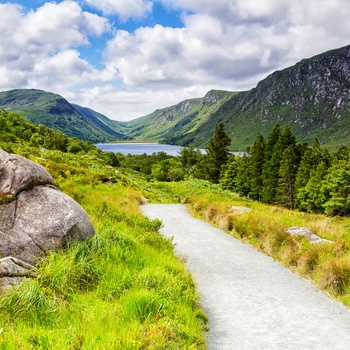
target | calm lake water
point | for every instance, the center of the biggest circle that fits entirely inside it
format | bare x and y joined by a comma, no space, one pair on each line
139,148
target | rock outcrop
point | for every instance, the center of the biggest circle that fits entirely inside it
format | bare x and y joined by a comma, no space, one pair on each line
35,216
308,234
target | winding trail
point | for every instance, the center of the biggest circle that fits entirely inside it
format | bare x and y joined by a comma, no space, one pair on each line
252,301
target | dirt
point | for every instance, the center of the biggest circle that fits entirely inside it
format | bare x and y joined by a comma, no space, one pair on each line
252,301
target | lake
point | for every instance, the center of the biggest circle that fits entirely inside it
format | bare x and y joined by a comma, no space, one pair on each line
139,148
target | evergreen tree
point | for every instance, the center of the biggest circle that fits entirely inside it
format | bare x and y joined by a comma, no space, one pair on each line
310,161
287,138
229,173
271,165
243,176
342,153
309,197
336,189
256,167
217,154
286,179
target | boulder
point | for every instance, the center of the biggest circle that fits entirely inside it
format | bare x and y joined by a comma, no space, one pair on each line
12,267
39,220
18,173
243,209
308,234
35,217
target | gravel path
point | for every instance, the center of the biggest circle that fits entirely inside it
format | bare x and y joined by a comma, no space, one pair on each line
252,301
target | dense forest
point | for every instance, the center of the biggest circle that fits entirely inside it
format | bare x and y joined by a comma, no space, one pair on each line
279,170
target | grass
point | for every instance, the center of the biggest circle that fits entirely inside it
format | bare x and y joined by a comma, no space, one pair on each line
122,289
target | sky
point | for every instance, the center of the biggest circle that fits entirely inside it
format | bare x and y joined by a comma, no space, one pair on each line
127,58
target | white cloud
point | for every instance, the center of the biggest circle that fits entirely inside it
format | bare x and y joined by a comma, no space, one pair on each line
124,104
224,44
262,36
36,49
125,9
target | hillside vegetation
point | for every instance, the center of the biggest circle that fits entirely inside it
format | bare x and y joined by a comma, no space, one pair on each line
124,288
311,96
54,111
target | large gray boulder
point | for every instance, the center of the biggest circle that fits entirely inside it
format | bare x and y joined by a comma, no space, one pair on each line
35,216
18,173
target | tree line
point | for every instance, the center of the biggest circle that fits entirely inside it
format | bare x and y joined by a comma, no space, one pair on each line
279,170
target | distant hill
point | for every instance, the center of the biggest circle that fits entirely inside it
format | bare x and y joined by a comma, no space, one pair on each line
179,121
56,112
313,97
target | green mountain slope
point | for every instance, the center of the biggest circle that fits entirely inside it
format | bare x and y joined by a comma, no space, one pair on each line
56,112
312,97
178,121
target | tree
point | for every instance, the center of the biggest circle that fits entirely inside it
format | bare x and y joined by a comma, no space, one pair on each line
217,154
311,159
189,157
168,170
309,198
335,189
256,166
271,165
286,179
229,173
243,176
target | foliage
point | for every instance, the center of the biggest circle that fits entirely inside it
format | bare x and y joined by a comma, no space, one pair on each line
283,172
216,155
55,112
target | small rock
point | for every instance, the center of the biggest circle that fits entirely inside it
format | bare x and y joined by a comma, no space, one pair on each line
245,209
308,234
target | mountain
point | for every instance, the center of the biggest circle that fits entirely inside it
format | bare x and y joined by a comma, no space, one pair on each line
178,122
313,97
56,112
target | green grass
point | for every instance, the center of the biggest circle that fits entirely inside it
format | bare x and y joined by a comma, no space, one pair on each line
122,289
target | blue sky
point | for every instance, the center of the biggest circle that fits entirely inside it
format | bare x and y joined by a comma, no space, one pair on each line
127,58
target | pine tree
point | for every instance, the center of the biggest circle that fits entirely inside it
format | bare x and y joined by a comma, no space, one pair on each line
336,189
271,165
228,177
311,159
286,179
217,153
256,167
243,176
309,198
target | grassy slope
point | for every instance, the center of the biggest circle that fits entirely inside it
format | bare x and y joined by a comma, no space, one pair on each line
179,121
122,289
55,112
